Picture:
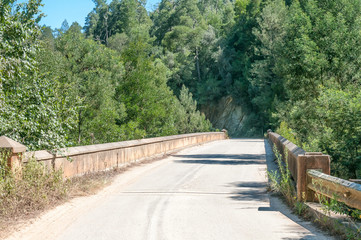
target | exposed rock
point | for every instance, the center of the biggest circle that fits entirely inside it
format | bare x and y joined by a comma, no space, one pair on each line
226,114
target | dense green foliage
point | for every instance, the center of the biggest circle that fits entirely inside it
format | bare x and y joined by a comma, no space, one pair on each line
70,89
290,64
315,76
31,111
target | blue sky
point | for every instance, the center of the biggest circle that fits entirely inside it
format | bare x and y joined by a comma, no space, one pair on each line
71,10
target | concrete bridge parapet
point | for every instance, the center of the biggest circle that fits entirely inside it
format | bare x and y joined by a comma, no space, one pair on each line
77,161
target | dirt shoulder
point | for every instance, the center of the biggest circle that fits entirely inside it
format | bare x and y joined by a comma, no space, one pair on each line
82,191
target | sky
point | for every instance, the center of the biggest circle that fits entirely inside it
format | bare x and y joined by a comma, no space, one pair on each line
57,11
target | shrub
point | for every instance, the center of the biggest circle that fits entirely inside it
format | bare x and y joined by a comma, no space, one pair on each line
281,181
37,188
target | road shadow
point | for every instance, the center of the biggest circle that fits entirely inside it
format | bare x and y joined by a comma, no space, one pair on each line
224,156
249,191
247,140
222,159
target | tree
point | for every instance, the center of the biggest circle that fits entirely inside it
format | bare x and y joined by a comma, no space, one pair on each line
64,26
144,92
89,72
182,44
192,119
31,112
106,20
266,84
337,130
318,65
97,22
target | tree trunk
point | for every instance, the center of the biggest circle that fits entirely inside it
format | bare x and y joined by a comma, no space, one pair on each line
197,65
79,124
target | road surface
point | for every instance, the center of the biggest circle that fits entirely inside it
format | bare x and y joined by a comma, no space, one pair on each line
213,191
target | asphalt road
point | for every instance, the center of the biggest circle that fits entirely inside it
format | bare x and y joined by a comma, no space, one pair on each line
213,191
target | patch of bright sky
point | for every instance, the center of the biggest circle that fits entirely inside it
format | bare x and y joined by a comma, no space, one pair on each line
57,11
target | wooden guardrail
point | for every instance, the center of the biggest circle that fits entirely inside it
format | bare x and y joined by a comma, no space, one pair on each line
311,172
333,187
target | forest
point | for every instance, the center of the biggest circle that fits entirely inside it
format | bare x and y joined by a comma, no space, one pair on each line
292,65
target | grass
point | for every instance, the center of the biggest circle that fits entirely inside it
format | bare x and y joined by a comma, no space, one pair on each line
280,181
28,193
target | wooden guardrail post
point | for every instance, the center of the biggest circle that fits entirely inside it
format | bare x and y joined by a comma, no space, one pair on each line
15,152
308,161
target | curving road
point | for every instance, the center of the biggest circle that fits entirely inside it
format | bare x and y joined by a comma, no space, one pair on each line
213,191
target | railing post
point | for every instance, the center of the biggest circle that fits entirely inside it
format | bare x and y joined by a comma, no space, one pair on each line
15,152
316,161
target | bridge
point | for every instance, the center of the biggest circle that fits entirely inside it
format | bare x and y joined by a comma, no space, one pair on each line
217,190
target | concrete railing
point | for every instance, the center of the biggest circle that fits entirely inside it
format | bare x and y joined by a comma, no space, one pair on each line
311,172
299,161
77,161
